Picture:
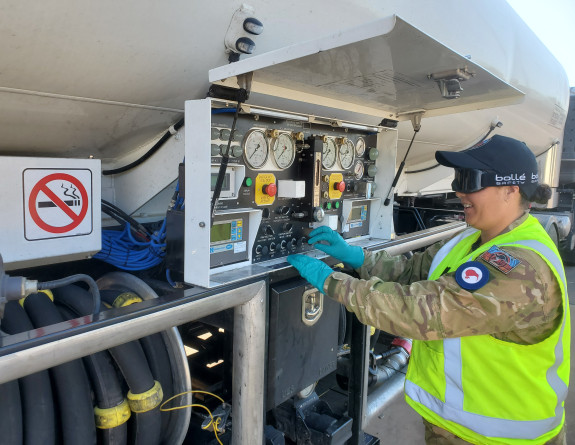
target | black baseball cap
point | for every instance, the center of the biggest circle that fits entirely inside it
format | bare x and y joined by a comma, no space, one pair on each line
502,161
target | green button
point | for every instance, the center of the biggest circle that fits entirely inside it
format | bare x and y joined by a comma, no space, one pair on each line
328,205
337,204
249,182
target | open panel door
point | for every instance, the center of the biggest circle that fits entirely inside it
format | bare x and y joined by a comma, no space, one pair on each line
386,68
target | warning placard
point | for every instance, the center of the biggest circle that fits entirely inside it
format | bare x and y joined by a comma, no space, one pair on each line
57,203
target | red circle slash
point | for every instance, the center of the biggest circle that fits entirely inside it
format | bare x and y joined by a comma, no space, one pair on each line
42,186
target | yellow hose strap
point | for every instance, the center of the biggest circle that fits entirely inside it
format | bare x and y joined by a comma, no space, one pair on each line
146,401
107,418
45,291
126,299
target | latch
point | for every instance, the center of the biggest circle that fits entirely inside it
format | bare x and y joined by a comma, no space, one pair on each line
449,82
311,306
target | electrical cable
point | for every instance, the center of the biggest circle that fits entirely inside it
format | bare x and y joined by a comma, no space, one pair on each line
74,279
167,135
120,249
196,405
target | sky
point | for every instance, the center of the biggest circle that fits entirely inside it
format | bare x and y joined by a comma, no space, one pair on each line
554,23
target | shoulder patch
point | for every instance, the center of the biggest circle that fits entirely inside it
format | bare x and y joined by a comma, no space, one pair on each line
472,275
500,259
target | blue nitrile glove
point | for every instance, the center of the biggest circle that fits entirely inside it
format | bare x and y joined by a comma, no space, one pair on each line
312,269
336,246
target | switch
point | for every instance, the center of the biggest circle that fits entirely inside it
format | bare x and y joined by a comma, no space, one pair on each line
340,186
270,189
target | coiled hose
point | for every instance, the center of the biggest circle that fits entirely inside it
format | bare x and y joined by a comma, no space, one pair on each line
132,362
111,419
70,379
35,389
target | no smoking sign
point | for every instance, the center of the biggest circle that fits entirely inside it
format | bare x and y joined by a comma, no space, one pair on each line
57,203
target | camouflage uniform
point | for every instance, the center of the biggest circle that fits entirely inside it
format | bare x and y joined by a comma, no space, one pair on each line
393,295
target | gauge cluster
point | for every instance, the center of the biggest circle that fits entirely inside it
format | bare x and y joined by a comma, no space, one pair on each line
297,175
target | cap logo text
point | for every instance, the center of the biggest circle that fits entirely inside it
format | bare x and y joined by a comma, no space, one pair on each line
512,179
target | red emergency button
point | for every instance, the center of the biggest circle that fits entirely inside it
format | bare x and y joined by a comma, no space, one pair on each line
339,186
270,189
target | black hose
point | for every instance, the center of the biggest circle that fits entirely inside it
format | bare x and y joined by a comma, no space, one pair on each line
35,389
132,362
10,414
74,279
156,352
167,135
70,380
105,384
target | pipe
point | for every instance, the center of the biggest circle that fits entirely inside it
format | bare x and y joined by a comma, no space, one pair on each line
383,396
249,369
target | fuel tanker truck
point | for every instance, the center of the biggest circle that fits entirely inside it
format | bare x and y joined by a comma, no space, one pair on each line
160,160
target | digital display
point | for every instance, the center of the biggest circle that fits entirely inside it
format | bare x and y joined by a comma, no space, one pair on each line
225,184
221,232
355,214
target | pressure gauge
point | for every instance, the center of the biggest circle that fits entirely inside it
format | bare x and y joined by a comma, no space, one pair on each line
329,153
358,169
283,150
346,154
255,147
360,147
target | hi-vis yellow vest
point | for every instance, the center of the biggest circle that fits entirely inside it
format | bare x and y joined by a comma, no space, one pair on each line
485,390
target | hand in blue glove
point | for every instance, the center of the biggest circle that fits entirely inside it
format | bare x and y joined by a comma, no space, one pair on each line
312,269
336,246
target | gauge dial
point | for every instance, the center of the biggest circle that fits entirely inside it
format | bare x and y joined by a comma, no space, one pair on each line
360,147
283,150
346,154
329,153
358,169
255,149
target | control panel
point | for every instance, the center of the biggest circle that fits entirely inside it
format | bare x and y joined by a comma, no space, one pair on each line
286,174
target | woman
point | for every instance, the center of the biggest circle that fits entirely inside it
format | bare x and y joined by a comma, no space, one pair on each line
487,309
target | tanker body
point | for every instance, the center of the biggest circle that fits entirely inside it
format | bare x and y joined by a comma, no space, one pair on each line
158,162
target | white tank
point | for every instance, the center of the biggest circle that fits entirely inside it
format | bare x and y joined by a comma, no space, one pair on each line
103,79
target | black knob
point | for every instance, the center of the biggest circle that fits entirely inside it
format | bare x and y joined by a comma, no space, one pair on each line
287,227
283,244
272,247
265,250
293,243
258,249
268,230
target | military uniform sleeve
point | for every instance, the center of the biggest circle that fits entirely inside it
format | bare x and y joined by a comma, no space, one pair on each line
398,268
528,298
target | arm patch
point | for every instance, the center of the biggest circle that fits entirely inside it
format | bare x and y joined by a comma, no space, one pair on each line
500,259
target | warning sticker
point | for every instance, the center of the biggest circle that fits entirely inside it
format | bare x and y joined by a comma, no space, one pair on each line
57,203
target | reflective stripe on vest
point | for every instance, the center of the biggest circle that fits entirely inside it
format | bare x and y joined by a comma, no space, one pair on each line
452,408
442,253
